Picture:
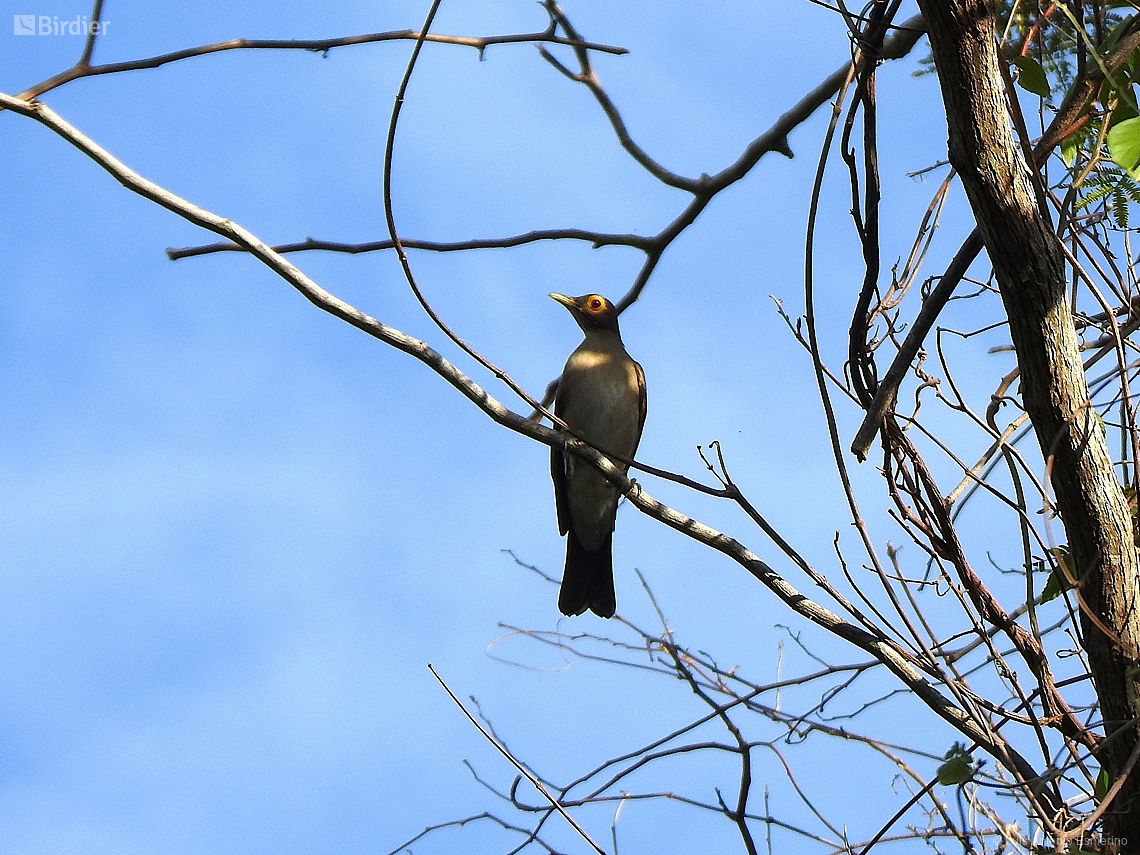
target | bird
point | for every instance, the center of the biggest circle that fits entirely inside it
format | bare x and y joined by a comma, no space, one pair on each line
601,398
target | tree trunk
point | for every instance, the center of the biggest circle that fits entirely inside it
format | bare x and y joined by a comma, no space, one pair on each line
1030,272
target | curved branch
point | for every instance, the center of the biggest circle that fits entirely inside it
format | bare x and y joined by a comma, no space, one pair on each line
590,80
703,188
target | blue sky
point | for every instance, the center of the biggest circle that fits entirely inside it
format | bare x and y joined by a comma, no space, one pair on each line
235,530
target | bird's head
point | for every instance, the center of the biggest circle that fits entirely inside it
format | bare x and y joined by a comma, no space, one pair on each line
591,311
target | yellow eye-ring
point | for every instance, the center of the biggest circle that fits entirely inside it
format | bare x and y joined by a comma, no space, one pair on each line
595,303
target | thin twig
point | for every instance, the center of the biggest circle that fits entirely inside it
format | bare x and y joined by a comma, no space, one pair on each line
526,773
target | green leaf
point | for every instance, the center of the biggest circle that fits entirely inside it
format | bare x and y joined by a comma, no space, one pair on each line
1120,217
1070,145
1060,578
1056,585
1103,785
1125,106
1031,76
1124,146
958,768
1122,27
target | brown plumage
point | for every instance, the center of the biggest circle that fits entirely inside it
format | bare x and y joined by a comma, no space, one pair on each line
601,396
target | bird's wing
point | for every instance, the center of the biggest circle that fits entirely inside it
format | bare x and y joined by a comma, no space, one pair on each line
561,498
642,405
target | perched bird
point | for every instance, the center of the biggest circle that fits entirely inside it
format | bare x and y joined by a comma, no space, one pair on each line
601,397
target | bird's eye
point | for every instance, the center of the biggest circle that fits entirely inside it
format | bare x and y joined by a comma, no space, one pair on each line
595,303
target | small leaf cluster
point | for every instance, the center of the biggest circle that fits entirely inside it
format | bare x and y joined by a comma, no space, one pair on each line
958,766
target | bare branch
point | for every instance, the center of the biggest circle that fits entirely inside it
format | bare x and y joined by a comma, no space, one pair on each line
595,239
480,43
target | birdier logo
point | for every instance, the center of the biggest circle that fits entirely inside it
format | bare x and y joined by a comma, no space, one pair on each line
51,25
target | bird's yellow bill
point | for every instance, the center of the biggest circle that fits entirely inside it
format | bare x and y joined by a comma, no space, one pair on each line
563,299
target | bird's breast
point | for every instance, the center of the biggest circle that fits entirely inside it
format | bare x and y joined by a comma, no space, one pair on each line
599,397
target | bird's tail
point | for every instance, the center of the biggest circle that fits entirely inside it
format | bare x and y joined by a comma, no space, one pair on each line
588,580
